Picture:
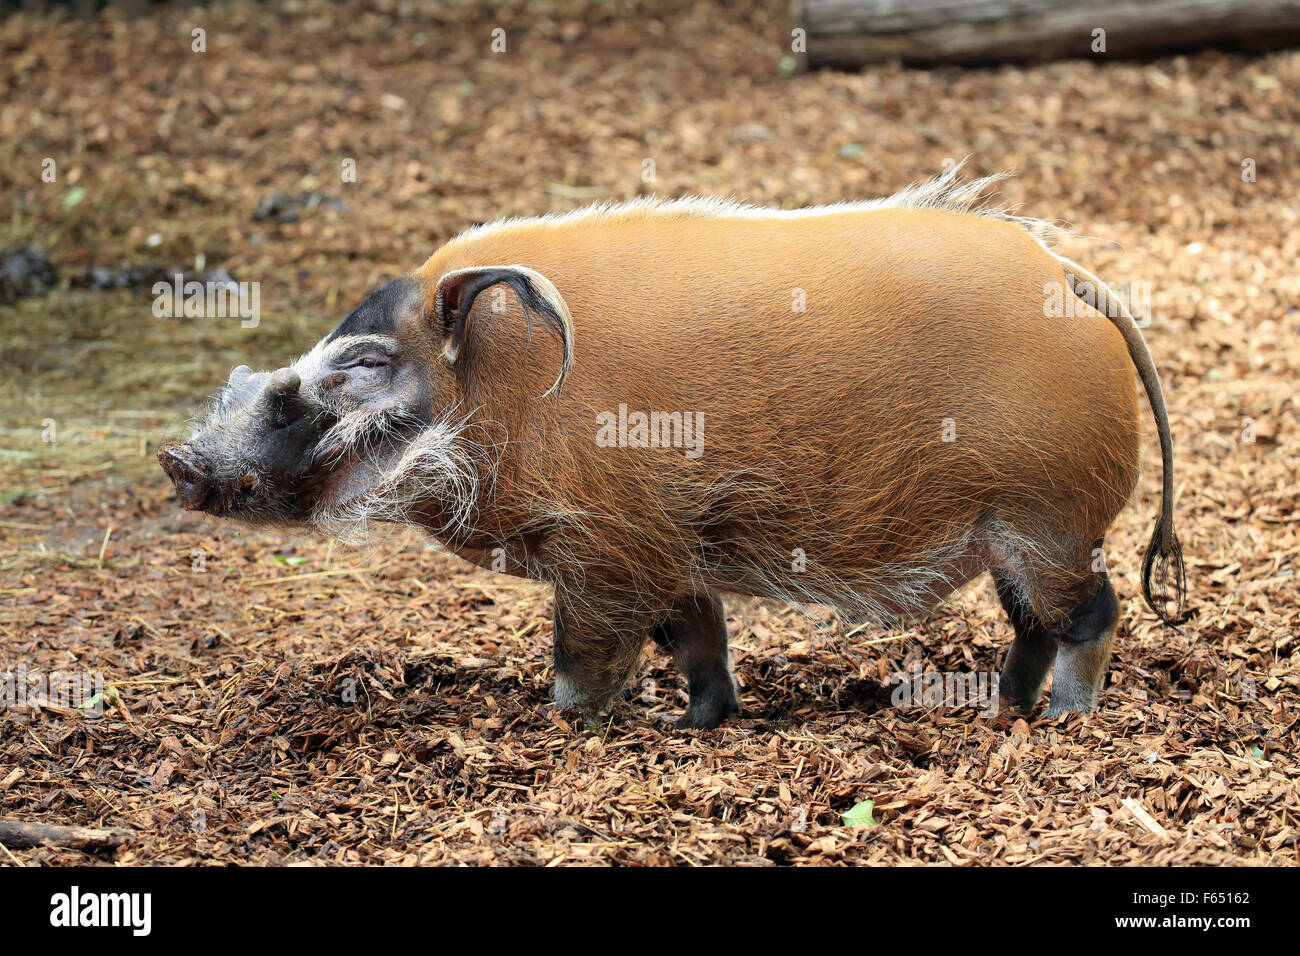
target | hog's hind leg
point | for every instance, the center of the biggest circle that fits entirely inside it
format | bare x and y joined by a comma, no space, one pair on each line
695,633
1076,650
1083,652
1032,651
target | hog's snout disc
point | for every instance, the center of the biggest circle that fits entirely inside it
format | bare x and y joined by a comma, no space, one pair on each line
188,474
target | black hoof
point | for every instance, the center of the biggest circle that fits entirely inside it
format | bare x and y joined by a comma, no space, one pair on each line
708,713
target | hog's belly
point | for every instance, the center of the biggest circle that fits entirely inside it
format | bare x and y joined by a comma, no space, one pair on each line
900,590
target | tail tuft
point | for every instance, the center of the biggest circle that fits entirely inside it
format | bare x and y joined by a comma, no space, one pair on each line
1164,577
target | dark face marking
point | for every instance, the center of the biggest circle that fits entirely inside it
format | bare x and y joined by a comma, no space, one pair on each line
275,443
376,315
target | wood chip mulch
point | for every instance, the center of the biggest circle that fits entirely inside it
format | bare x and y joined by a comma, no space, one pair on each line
274,699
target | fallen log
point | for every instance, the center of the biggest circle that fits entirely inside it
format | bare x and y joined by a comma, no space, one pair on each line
14,833
847,34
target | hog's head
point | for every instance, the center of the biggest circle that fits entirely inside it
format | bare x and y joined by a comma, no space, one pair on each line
371,424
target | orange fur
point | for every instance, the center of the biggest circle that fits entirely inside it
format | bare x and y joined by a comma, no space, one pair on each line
824,428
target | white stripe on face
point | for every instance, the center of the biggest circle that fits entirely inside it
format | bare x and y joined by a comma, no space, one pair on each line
311,366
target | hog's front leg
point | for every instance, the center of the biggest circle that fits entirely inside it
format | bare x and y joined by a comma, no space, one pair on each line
596,653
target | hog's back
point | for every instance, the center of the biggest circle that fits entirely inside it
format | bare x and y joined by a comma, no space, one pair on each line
872,382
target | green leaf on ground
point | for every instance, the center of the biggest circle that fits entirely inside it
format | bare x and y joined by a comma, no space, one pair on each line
861,815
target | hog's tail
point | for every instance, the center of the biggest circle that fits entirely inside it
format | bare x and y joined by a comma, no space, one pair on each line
1164,577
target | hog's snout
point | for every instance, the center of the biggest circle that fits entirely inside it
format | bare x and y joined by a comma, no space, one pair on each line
255,451
189,473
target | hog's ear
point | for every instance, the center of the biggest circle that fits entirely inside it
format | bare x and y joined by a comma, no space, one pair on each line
457,291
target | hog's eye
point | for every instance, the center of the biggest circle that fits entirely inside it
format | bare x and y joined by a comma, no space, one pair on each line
367,361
